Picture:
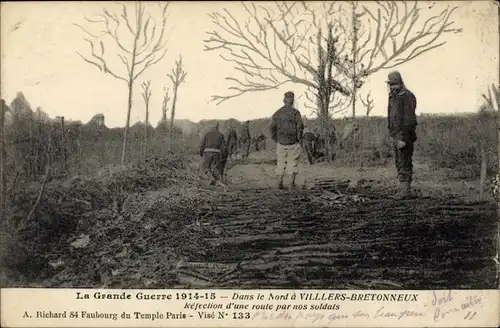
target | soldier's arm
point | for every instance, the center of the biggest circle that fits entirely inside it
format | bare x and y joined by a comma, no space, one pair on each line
399,122
273,129
405,118
410,103
300,125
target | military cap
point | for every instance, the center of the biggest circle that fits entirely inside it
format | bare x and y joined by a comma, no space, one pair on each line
394,78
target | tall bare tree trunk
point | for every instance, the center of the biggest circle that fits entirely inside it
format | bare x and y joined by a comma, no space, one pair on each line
127,123
172,117
323,101
354,59
325,89
146,142
130,92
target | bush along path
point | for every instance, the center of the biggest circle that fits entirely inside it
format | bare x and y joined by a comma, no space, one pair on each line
83,227
157,226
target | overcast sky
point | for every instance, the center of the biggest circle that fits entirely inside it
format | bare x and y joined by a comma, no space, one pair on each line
39,44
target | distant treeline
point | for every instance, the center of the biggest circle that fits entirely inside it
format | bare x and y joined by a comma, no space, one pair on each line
33,141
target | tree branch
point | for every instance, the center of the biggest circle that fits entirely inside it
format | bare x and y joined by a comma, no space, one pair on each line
395,30
178,75
147,50
146,91
270,47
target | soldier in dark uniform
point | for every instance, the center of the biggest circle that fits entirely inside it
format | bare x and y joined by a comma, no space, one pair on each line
257,141
232,142
286,130
402,124
223,163
309,145
319,146
213,150
245,139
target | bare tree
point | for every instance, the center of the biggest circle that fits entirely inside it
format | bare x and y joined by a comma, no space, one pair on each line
386,37
164,106
140,42
368,103
146,95
178,76
278,44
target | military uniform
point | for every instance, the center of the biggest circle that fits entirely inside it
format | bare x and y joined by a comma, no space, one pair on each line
402,123
213,150
232,142
308,142
245,139
286,130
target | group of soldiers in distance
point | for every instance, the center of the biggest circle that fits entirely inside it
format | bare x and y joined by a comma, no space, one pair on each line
288,131
313,143
231,145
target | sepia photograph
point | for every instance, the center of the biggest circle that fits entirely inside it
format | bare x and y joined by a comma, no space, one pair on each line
250,145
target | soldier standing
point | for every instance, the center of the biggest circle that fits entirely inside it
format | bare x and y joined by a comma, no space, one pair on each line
286,130
402,123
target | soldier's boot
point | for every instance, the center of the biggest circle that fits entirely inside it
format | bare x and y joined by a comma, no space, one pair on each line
404,191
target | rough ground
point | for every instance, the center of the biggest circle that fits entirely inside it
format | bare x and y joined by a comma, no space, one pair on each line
328,238
251,236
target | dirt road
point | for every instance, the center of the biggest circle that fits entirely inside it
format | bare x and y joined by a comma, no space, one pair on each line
330,238
254,236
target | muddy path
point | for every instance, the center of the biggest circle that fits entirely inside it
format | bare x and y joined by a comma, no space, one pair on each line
328,237
324,237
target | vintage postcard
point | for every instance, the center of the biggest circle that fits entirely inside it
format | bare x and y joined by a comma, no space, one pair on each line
250,164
